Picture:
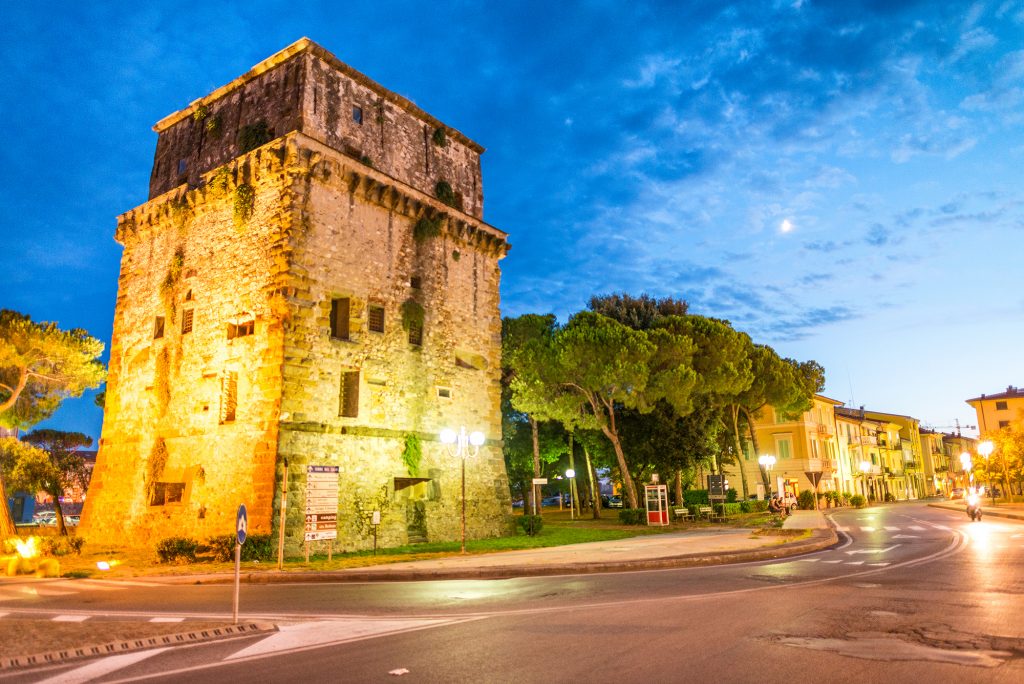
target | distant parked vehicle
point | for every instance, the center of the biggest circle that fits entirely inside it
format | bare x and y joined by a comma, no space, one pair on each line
615,502
71,520
957,493
45,518
552,500
789,502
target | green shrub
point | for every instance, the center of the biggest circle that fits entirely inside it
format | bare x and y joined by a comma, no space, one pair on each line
63,546
758,506
858,501
530,524
426,228
254,135
439,137
745,507
177,550
443,191
633,516
693,497
257,547
730,495
806,500
889,497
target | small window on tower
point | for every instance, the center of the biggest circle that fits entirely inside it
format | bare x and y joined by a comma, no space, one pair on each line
348,404
357,115
241,329
1000,406
186,321
416,333
375,318
415,282
182,166
340,318
158,328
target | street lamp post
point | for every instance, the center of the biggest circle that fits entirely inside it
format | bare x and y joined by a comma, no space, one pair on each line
965,463
985,449
571,474
460,444
865,468
767,462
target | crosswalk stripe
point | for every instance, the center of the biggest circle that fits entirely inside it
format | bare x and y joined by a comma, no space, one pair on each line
101,667
71,618
167,619
917,528
892,529
867,529
855,563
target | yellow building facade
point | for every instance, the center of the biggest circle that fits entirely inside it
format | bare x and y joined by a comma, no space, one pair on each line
996,411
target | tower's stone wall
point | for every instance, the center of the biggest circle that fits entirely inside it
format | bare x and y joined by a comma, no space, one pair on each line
255,249
305,88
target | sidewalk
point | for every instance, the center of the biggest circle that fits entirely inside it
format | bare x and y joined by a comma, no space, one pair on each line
1013,511
707,546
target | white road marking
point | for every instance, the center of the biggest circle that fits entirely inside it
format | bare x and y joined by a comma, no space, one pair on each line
867,529
855,563
3,613
889,548
322,633
917,528
70,618
905,536
942,527
809,560
891,528
878,565
101,667
832,561
167,619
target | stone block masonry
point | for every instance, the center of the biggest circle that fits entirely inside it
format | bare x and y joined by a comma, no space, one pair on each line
300,301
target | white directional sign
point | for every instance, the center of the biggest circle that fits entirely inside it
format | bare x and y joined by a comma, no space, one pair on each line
321,502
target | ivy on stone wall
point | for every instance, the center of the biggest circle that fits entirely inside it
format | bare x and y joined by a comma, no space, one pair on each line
173,271
155,465
252,136
426,228
439,137
443,191
456,254
219,181
245,203
412,314
213,126
412,454
201,112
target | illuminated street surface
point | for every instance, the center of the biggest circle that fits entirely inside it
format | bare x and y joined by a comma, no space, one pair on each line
909,593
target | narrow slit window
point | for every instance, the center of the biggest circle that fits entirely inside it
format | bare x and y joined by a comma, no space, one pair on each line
444,392
241,329
158,328
340,318
348,404
375,319
186,321
357,115
228,397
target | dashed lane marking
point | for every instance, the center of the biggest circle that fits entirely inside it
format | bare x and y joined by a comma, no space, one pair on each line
70,618
832,561
878,565
892,529
167,619
855,563
917,528
865,528
809,560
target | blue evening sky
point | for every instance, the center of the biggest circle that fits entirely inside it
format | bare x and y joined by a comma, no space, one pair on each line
841,180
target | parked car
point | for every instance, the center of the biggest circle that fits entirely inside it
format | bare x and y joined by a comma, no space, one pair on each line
614,502
71,520
518,503
957,493
789,501
551,500
45,518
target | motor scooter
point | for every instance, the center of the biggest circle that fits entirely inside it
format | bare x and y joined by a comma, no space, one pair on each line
974,506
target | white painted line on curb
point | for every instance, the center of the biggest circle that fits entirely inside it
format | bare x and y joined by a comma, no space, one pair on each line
167,619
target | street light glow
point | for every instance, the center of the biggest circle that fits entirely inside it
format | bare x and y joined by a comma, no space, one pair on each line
448,436
570,473
985,448
476,438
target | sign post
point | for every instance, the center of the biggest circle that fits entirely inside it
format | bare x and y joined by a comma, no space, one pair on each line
537,481
241,530
321,505
815,477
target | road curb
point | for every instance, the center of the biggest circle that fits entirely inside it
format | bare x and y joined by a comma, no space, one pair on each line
126,646
818,540
986,511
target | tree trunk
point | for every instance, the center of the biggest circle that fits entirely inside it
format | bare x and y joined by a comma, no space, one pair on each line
734,410
573,489
62,529
753,443
627,479
679,487
595,490
535,434
7,528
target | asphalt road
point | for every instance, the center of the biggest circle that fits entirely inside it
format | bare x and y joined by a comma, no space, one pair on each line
909,593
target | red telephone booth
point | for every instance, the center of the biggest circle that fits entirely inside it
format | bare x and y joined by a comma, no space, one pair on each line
656,498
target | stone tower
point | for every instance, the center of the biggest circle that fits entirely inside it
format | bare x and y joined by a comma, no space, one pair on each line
311,281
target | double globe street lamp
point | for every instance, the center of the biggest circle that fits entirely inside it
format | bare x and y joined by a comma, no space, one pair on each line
767,462
460,444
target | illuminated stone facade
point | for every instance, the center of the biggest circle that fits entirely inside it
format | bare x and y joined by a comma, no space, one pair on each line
309,300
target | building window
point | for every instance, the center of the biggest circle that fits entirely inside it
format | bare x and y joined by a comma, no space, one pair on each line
782,448
357,115
1004,424
158,328
188,296
416,333
340,318
444,392
376,319
241,329
1000,406
228,396
167,493
182,166
186,321
415,282
348,401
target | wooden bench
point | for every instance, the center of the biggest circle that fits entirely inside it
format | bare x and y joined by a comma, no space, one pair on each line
709,513
682,514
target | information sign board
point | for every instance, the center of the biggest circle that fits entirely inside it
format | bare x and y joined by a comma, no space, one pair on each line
321,502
